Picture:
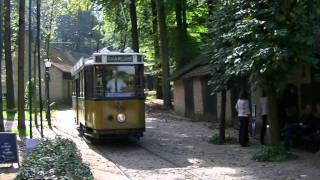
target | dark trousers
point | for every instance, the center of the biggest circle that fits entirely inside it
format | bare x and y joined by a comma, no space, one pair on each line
263,128
243,131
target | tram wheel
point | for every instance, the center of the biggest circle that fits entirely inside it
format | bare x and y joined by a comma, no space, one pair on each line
80,130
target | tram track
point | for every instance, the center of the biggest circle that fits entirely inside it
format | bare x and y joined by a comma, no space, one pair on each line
124,171
72,136
169,161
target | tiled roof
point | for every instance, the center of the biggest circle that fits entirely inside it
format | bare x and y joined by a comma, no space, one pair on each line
63,60
199,67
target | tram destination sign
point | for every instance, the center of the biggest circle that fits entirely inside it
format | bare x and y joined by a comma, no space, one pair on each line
121,58
8,148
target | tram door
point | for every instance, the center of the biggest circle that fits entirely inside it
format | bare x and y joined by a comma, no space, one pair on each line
188,94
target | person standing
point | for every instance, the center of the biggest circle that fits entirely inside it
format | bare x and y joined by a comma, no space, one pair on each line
264,116
243,109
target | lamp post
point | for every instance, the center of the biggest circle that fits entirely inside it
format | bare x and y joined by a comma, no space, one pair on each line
47,64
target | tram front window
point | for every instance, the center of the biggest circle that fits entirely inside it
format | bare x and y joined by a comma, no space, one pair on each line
116,81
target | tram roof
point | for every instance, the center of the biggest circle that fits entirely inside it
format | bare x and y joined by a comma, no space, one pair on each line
108,58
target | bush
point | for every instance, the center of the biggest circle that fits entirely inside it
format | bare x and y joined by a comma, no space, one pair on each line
54,159
273,154
215,139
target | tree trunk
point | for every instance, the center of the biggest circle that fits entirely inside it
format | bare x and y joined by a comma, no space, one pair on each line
156,45
39,66
273,118
222,125
210,7
1,50
155,31
184,17
8,57
21,44
34,85
134,27
181,33
164,53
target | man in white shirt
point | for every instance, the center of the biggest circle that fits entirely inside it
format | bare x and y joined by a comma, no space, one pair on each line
115,85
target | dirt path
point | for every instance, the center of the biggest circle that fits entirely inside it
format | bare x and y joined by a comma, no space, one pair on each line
185,145
174,148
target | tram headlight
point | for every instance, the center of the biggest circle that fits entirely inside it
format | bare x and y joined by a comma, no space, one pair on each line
121,117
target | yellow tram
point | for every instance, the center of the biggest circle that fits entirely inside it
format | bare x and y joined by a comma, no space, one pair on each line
108,94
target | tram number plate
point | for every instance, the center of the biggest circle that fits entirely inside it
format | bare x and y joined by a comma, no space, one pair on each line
119,59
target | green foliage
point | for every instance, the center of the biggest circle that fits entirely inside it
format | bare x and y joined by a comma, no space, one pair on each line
83,23
54,159
273,154
151,95
261,41
116,30
215,139
28,94
70,21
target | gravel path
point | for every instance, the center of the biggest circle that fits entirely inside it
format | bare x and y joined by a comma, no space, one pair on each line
177,149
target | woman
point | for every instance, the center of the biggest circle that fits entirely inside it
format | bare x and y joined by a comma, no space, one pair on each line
243,109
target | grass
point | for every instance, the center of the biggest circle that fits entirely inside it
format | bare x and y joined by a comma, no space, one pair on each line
273,154
215,139
151,95
26,133
11,116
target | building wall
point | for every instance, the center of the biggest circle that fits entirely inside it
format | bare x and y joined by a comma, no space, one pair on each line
55,84
60,90
197,97
178,100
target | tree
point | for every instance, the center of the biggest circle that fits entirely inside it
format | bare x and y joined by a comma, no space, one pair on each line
39,66
21,44
8,57
1,50
134,27
67,25
261,42
222,124
164,52
210,7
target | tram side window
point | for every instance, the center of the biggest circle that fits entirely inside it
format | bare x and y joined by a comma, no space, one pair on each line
73,87
81,84
139,80
89,83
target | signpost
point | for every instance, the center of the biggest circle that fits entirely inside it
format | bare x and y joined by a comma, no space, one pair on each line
8,148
